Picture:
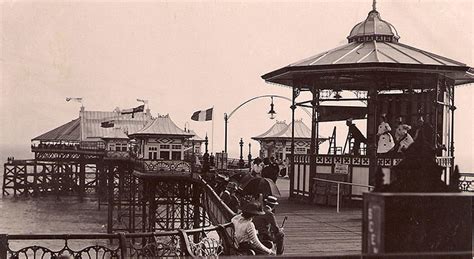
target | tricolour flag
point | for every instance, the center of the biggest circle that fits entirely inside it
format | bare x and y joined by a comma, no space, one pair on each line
205,115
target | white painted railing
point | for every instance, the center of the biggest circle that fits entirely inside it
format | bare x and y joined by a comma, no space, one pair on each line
339,188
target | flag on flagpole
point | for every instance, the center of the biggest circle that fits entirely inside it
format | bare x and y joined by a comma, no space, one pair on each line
76,99
107,124
132,111
205,115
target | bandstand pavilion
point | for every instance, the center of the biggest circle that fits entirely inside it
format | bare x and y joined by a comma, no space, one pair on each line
391,78
276,141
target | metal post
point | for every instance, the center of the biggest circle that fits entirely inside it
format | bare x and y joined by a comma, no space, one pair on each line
292,161
206,143
337,202
226,120
250,155
453,108
241,161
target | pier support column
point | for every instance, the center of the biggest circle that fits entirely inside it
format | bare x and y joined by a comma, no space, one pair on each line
82,177
110,198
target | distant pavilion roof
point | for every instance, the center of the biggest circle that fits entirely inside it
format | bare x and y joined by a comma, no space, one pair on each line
162,125
278,127
281,130
196,136
70,132
115,133
91,123
88,126
372,47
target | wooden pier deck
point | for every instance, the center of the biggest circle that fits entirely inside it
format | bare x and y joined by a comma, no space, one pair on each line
317,231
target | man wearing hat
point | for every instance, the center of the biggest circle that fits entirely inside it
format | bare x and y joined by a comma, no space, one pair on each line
267,227
228,197
356,135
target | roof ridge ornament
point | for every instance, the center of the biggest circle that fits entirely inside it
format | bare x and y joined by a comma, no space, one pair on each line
374,5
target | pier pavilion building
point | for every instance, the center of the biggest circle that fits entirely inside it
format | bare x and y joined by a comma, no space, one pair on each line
276,141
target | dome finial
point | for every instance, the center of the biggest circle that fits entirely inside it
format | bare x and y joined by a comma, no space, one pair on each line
374,5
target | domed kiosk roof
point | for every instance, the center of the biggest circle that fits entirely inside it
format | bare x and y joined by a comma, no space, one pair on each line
372,47
373,28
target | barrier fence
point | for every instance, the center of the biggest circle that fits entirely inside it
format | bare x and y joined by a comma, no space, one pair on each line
369,187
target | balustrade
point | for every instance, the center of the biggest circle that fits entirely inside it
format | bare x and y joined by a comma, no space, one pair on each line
150,166
122,245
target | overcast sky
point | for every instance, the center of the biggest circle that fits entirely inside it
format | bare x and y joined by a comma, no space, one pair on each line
184,57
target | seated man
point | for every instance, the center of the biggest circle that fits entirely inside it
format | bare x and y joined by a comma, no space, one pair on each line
229,198
267,227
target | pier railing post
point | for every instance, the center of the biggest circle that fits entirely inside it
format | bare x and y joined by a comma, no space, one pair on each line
338,201
3,246
123,245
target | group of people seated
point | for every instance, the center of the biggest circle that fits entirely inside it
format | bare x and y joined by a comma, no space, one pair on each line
255,225
256,230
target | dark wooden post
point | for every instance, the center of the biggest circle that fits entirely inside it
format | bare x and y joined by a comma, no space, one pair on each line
35,179
371,135
123,243
82,177
314,147
196,209
110,197
152,206
3,246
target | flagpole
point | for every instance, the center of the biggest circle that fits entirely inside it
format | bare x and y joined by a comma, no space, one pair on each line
212,146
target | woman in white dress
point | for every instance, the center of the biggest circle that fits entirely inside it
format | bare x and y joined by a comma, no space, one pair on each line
402,136
385,143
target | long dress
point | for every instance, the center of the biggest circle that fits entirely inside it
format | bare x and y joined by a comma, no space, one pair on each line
386,142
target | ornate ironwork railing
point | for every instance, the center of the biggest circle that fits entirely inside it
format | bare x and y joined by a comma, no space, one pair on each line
149,166
117,154
466,182
361,160
208,241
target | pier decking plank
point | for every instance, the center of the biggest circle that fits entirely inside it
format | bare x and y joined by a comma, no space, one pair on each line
316,230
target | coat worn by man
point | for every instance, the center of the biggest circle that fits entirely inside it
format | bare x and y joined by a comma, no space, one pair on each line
271,171
268,229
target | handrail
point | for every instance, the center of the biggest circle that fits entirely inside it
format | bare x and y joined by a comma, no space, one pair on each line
339,187
346,183
124,246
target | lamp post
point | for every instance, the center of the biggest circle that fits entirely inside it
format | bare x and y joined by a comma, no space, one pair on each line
241,161
271,112
250,155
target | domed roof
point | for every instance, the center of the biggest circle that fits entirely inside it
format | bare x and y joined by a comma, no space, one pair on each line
373,28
